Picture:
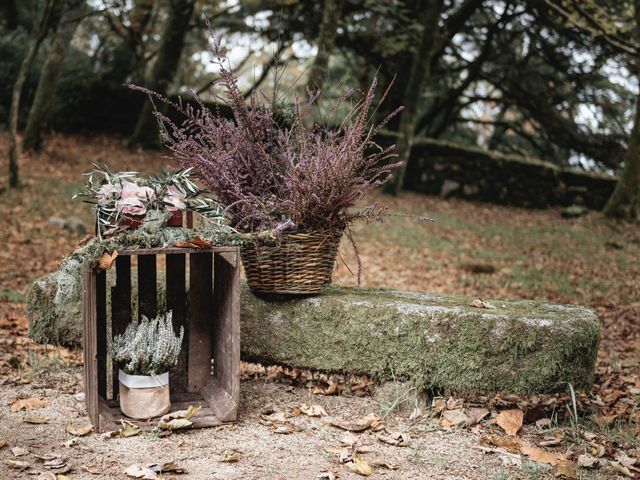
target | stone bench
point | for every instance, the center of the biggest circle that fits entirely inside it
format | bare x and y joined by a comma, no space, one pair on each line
425,339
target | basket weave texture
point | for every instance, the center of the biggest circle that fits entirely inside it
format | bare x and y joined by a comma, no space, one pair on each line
299,264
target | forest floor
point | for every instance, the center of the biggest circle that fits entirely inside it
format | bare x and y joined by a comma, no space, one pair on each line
522,254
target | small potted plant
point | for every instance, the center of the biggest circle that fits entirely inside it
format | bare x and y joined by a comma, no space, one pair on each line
274,174
144,354
122,200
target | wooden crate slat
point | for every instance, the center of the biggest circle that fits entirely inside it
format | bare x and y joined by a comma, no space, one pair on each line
147,286
120,306
101,330
90,341
200,320
177,304
223,394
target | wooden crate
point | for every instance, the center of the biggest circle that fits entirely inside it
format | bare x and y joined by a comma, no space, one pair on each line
208,369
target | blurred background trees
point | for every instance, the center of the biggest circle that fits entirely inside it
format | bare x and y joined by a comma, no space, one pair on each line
551,80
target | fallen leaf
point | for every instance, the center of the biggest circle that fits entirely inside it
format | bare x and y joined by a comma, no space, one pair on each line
360,425
35,419
285,429
128,429
19,451
79,430
597,450
479,303
381,462
136,471
105,262
46,476
328,475
566,470
621,469
396,439
313,410
510,421
359,466
28,404
587,461
3,442
179,419
16,464
196,242
230,456
168,467
540,455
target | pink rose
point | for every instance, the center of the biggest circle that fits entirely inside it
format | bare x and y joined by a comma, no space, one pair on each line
132,190
175,199
131,206
107,193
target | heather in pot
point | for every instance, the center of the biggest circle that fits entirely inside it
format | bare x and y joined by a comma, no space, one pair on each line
144,354
282,176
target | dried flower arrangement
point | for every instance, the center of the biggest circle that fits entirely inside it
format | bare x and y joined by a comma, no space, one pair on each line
149,347
272,172
271,176
123,199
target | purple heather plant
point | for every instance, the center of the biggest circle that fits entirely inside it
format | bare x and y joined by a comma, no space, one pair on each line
275,175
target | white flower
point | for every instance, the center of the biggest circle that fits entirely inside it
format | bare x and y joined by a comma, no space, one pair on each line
134,199
107,193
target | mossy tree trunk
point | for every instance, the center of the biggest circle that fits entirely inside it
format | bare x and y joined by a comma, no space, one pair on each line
331,12
164,68
418,78
39,32
45,96
625,200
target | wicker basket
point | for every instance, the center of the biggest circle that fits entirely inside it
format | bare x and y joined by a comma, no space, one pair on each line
299,264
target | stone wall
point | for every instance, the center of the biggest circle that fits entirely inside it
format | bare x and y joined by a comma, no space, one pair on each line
442,168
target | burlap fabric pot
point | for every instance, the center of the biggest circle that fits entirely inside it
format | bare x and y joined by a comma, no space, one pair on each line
143,396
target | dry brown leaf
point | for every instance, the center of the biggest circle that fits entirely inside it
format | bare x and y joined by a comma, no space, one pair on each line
360,425
79,430
196,242
537,454
16,464
178,420
35,419
105,262
136,471
285,428
19,451
312,410
621,469
381,462
566,470
587,461
359,466
28,404
230,456
479,303
397,439
3,442
510,421
46,476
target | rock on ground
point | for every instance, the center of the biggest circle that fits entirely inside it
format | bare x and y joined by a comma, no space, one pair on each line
429,340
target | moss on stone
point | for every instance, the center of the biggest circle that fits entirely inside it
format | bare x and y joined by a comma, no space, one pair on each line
430,340
425,339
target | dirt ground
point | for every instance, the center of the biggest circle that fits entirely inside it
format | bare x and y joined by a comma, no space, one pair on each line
523,254
305,453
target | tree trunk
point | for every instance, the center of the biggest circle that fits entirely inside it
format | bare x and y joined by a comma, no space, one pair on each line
625,199
418,78
331,12
168,58
44,100
40,30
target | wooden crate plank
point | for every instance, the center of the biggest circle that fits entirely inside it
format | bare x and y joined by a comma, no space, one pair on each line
90,346
120,306
177,304
223,394
200,319
101,329
147,286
